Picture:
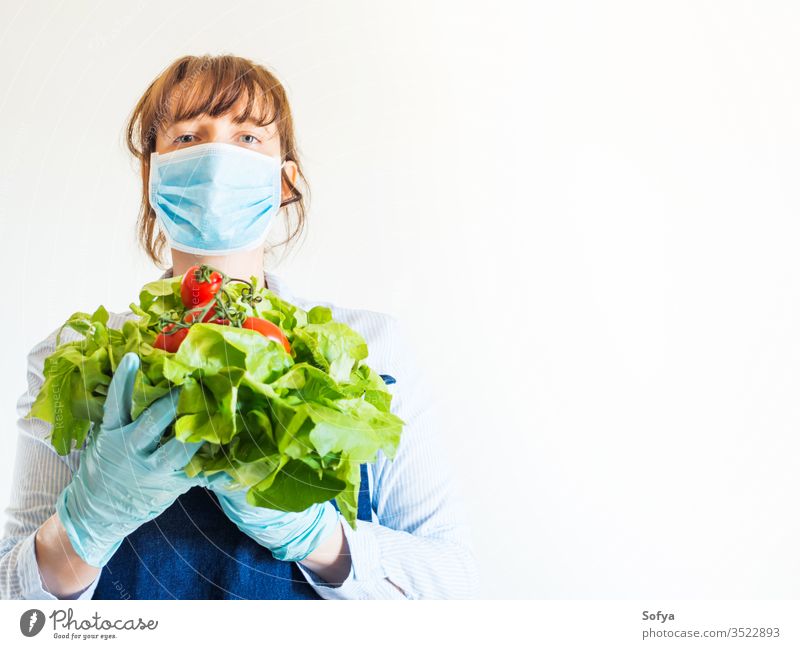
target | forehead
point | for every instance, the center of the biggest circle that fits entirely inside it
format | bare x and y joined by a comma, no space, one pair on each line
228,119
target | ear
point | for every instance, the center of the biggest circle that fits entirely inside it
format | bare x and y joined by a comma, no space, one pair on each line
291,170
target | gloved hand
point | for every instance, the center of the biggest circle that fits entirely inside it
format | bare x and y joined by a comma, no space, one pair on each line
290,536
124,479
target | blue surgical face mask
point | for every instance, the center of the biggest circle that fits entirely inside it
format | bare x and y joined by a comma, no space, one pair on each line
215,198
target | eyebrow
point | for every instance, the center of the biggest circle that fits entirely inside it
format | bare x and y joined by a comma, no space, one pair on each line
245,123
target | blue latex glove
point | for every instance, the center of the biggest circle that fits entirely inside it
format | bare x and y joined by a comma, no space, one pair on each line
124,478
290,536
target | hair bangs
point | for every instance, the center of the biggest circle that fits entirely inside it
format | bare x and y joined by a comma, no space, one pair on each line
216,90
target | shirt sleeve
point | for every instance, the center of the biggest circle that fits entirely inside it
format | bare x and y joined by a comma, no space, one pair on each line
420,547
40,475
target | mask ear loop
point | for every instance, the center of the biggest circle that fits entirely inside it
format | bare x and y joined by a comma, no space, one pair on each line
296,196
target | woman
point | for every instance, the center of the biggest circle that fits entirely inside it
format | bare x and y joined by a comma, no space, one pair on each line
119,518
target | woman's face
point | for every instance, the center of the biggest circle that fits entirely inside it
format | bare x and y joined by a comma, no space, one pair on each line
203,129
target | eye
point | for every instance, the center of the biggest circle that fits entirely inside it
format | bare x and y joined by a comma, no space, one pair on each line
180,140
253,141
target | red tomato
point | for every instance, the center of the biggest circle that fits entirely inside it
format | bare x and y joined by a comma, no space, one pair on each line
198,287
170,342
266,328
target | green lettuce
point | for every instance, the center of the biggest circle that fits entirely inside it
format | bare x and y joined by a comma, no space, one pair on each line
291,428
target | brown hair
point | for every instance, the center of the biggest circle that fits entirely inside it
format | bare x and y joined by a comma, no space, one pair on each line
212,85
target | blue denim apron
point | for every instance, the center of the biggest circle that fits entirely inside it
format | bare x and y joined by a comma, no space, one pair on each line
193,551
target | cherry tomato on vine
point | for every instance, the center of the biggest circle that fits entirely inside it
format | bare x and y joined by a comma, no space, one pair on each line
199,286
170,342
266,328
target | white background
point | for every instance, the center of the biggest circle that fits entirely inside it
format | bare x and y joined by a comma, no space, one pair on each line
585,213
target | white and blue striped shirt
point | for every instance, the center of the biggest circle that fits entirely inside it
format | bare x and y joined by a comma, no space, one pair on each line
416,547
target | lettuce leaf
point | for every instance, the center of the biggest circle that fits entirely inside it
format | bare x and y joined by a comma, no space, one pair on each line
291,428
